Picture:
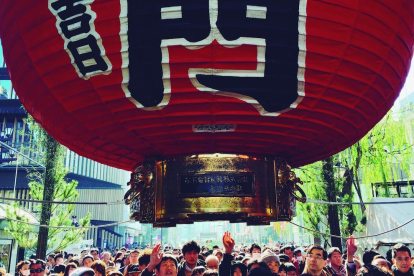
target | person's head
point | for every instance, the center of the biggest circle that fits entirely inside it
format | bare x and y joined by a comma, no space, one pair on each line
238,269
95,253
297,254
212,262
51,259
259,269
369,256
272,261
22,268
58,259
70,267
133,256
316,259
99,268
133,270
218,254
287,249
113,272
37,268
283,258
335,257
59,269
255,248
83,271
144,259
190,252
381,263
167,266
210,272
106,257
198,271
401,257
246,260
290,269
87,261
282,270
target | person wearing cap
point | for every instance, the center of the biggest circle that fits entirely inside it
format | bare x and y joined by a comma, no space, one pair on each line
87,261
160,264
133,270
335,266
83,271
272,260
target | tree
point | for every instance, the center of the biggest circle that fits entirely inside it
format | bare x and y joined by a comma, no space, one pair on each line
49,185
383,155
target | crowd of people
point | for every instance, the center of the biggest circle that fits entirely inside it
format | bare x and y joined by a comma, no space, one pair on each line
225,260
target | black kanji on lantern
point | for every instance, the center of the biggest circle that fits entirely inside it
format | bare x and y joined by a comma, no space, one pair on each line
274,21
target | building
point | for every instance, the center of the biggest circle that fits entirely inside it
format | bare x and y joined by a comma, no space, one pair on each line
96,182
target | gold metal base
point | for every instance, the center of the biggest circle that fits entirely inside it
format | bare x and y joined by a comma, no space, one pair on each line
238,188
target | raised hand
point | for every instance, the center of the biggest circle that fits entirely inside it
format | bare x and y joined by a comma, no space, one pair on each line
228,243
351,247
155,258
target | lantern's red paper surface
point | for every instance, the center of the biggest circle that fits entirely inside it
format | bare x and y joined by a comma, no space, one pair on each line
119,81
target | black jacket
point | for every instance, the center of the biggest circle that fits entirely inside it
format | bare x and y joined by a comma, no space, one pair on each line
181,267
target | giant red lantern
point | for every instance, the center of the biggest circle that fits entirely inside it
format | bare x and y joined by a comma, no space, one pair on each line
120,81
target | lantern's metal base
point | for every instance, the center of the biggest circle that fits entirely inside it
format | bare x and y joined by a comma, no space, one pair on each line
181,190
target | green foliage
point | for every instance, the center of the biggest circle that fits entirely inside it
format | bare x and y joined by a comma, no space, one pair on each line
379,157
63,191
23,233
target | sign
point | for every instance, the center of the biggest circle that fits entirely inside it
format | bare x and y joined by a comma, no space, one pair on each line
216,184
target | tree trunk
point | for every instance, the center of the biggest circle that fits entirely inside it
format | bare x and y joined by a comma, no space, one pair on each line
347,190
52,147
333,218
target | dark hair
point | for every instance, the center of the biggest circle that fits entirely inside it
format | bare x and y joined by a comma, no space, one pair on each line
389,255
39,261
76,262
290,267
263,269
284,248
119,260
144,257
59,268
57,256
210,272
332,250
21,264
261,264
254,245
371,270
119,253
369,256
99,266
198,269
68,267
318,247
297,250
191,246
399,247
282,267
165,258
241,266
